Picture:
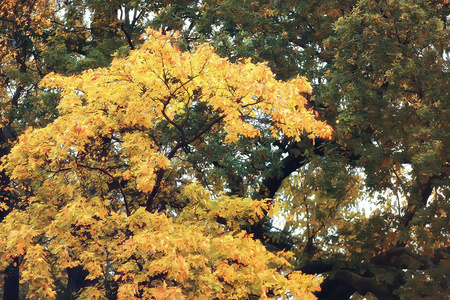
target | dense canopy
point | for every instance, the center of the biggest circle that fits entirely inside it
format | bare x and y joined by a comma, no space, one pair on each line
237,150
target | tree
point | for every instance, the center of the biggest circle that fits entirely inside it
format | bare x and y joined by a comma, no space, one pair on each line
38,37
379,76
110,179
392,73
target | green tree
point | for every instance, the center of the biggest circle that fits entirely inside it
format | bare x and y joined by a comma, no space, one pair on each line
391,72
379,73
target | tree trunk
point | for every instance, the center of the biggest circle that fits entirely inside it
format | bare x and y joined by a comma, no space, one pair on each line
76,280
11,282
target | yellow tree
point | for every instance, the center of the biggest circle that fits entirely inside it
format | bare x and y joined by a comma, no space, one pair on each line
113,185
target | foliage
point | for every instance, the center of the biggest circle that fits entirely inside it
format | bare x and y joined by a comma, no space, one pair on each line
379,71
366,209
116,154
38,37
393,78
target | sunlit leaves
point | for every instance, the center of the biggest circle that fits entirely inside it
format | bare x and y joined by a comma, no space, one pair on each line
153,255
155,90
104,195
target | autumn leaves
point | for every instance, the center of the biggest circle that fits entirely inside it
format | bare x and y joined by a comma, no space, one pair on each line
106,176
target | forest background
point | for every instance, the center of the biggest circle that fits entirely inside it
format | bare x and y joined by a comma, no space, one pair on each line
109,191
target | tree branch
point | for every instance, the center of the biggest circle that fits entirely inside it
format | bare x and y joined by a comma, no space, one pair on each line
363,285
425,192
127,209
160,173
290,164
385,258
130,42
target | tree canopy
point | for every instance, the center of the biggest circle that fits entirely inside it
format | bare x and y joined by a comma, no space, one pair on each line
244,149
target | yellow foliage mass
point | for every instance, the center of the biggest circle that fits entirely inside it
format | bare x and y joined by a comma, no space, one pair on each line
146,108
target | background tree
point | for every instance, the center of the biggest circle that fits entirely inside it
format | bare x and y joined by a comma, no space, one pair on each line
379,72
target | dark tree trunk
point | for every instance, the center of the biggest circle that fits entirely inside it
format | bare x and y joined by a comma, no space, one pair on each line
11,273
76,280
11,282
